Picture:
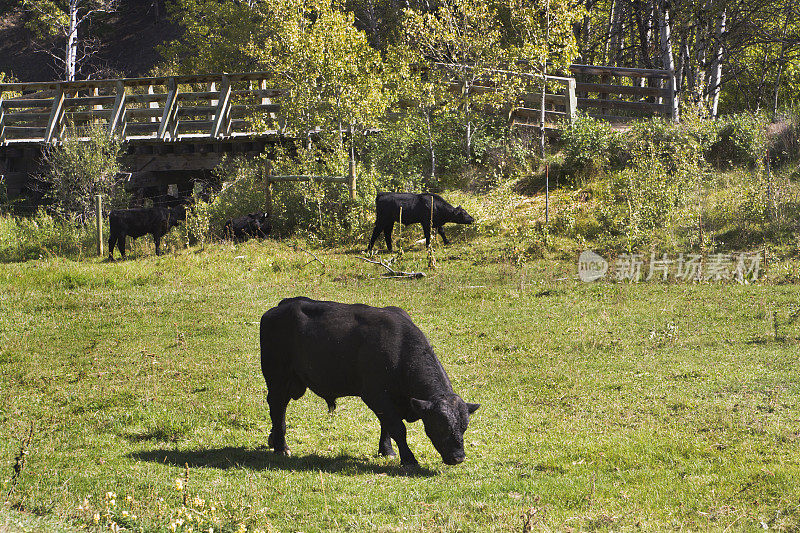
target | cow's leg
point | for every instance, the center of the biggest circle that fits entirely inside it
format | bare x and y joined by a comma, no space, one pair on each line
112,242
157,241
392,424
375,233
385,443
278,400
397,430
426,229
387,234
440,229
121,245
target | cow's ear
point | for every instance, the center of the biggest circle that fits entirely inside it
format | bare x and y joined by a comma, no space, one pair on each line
420,406
472,407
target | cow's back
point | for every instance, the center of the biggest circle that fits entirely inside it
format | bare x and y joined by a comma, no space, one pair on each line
138,221
347,349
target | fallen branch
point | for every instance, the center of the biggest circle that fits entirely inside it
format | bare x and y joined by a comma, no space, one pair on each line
392,273
295,247
19,464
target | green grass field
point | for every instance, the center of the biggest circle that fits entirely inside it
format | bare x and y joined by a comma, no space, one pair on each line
604,406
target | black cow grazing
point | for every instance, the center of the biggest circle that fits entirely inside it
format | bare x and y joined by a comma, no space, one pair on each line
251,225
375,353
416,209
134,223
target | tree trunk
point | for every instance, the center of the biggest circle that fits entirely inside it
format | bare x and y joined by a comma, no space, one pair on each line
716,65
71,57
666,56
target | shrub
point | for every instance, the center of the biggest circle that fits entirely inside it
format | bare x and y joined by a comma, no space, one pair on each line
80,169
591,147
42,235
741,141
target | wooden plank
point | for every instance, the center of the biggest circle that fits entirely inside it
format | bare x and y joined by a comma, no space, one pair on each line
221,115
146,98
644,107
16,118
620,89
619,71
81,85
198,95
116,122
141,127
194,125
88,115
89,100
31,132
56,116
536,99
145,112
195,111
239,111
43,103
528,112
614,118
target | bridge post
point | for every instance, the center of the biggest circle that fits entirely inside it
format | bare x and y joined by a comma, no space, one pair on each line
223,108
571,100
169,123
118,113
53,129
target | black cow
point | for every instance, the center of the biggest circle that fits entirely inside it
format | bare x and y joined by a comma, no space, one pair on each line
251,225
375,353
134,223
416,209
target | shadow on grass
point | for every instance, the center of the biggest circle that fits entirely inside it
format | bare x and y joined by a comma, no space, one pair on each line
263,459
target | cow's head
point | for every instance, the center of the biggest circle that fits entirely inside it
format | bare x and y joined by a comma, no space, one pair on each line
445,419
460,216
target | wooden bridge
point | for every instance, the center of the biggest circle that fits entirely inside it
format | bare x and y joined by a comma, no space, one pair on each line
176,129
171,128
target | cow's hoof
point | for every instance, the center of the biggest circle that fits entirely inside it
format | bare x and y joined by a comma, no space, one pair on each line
387,453
286,452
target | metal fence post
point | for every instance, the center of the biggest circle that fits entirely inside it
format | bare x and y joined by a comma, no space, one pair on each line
98,210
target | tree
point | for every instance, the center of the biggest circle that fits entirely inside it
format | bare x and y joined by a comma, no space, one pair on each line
67,20
79,169
333,78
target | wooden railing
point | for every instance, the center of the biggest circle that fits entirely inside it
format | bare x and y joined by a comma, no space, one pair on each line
165,108
559,107
624,94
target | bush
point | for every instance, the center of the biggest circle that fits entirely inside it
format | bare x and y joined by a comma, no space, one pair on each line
80,169
44,235
591,148
740,141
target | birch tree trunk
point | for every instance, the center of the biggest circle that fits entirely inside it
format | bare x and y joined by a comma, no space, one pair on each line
716,64
72,42
667,60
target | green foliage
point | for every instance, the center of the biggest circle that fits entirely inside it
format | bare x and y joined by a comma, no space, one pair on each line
198,223
79,169
741,141
44,235
591,147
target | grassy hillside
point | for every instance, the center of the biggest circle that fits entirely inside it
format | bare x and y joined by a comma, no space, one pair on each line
604,406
